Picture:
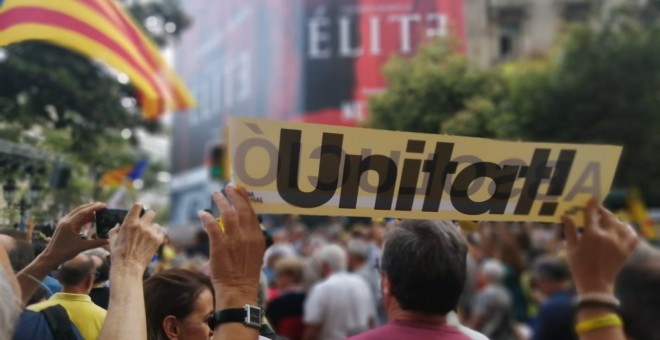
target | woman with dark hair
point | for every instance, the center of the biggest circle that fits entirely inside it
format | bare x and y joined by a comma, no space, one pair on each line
179,304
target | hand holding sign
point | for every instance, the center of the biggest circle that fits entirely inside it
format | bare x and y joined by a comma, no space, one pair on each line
597,255
237,252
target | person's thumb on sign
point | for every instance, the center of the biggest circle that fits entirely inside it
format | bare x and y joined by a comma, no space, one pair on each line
598,253
237,251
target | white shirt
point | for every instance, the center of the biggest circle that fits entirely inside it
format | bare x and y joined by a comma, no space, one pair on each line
342,305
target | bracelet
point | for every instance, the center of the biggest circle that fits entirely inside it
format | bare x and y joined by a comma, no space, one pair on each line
607,320
604,298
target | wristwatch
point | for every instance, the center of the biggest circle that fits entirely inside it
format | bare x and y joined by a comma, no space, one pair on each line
248,315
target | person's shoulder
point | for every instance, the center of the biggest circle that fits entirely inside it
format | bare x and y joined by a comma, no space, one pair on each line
471,333
39,306
98,312
32,325
374,334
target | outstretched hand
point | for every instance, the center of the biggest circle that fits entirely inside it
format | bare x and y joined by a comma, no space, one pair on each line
137,239
597,255
66,241
237,251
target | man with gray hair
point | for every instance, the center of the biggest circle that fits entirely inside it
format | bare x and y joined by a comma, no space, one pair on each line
423,274
339,306
358,263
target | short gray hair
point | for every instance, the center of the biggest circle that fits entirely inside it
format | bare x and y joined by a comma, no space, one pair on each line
425,262
332,255
8,311
358,248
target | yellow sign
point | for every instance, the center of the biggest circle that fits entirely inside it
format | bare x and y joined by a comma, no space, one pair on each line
307,169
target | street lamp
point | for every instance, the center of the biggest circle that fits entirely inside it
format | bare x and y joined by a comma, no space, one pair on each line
35,191
9,190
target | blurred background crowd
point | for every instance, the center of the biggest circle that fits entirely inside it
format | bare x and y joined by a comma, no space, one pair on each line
518,282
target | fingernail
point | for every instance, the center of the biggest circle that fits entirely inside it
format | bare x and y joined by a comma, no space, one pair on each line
200,213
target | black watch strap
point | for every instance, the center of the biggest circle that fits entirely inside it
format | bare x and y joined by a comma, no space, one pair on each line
248,315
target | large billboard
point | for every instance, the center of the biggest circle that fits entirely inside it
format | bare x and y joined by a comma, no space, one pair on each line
295,60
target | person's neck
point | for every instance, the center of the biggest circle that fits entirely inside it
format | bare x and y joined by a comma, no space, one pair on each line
359,265
432,320
75,290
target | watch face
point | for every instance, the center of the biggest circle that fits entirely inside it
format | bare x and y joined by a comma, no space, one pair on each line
255,314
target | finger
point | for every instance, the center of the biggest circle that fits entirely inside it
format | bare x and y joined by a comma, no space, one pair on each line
81,207
227,213
112,233
134,213
591,219
254,217
148,217
158,231
210,226
221,203
84,215
91,244
609,220
243,208
570,231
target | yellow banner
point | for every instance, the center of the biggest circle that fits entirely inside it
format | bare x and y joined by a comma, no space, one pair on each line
308,169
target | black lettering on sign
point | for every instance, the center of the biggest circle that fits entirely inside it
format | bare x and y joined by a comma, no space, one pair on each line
502,176
438,167
558,181
409,177
534,174
355,166
288,169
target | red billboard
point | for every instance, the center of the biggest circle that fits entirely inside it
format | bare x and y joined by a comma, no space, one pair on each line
348,42
303,60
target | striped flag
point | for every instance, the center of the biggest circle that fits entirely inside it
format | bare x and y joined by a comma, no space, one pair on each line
115,177
98,29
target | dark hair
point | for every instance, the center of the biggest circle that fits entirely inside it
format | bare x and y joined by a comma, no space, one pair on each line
551,268
102,272
75,274
21,255
637,289
39,294
172,292
425,262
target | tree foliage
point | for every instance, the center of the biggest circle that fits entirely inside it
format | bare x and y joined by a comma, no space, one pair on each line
600,85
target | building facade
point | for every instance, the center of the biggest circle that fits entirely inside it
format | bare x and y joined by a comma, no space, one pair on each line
319,60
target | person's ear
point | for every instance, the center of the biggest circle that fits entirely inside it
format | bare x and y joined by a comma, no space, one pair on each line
325,269
171,327
385,285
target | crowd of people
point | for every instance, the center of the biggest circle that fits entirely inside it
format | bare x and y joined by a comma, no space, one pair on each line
244,278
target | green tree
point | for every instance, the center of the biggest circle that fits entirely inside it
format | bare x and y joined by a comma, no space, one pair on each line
425,91
599,85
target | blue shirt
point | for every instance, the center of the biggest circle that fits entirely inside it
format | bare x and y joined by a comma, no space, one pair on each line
556,318
53,285
33,325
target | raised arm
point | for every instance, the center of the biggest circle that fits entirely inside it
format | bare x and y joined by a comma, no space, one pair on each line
596,257
236,258
65,244
131,247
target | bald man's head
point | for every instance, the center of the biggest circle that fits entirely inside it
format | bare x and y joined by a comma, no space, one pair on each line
77,273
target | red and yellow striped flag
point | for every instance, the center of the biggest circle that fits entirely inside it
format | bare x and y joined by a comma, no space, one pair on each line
98,29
